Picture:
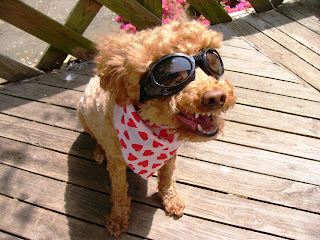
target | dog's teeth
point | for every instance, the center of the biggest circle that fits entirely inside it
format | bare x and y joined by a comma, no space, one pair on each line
196,115
199,128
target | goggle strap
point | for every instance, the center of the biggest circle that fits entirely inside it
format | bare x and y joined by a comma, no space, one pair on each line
198,59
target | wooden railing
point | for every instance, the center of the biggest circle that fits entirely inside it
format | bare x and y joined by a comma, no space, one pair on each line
67,39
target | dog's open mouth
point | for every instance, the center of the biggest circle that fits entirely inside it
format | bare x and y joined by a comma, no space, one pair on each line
204,124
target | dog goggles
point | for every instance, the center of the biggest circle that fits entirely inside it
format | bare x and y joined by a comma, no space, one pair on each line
173,72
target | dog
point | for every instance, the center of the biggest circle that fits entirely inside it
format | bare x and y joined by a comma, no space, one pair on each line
153,90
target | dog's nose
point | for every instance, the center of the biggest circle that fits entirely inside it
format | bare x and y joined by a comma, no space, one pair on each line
214,98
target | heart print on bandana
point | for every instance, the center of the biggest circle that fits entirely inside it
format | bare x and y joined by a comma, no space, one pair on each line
144,148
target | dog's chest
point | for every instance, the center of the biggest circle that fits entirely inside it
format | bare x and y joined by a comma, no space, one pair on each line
145,148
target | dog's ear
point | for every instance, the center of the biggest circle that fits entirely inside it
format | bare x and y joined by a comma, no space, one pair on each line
113,69
111,81
111,74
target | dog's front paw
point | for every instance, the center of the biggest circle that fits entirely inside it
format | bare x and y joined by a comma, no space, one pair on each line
174,205
117,225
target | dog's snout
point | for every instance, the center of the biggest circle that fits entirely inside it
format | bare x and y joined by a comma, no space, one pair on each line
214,98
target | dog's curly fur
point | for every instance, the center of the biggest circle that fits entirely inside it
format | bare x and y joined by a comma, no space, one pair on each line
121,62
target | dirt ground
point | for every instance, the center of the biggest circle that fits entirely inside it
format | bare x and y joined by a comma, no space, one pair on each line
26,48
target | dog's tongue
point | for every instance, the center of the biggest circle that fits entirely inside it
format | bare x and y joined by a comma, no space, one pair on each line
206,122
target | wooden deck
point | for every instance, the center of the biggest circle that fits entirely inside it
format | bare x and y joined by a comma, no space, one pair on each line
261,180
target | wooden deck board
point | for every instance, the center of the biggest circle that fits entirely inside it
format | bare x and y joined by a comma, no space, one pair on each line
238,133
283,36
285,39
260,180
46,224
60,97
42,187
305,20
63,141
293,29
308,8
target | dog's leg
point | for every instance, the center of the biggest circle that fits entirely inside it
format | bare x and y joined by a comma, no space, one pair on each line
118,221
99,154
167,189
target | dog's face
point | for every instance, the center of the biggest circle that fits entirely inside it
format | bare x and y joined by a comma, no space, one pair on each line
193,112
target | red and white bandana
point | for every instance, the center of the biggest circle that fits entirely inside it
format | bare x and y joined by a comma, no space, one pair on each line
145,148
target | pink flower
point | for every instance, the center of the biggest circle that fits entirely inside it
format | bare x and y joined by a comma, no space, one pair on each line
242,5
206,22
166,20
129,28
171,11
119,19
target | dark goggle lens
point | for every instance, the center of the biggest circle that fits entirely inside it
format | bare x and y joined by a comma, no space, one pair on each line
214,62
172,71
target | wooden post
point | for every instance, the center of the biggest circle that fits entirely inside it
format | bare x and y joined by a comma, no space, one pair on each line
154,6
133,12
34,22
192,12
276,3
14,71
211,10
78,20
261,5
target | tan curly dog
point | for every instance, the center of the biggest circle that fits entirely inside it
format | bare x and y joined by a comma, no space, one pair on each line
179,99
